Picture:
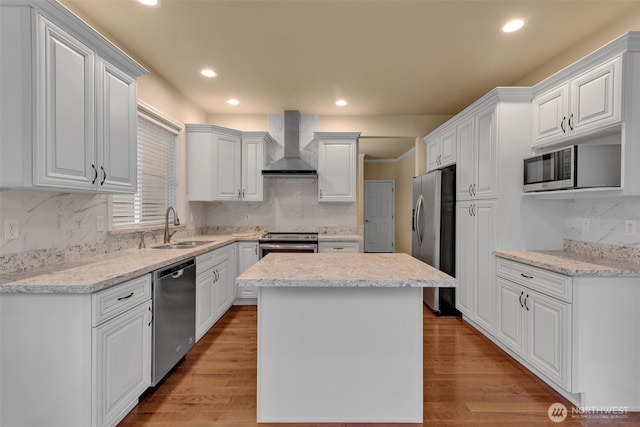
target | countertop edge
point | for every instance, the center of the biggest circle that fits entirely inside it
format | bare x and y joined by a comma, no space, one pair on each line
593,268
347,283
46,287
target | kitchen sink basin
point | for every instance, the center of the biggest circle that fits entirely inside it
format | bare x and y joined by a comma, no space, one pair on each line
184,245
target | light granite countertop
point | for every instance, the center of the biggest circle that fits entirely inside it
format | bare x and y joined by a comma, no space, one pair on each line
573,263
343,270
101,272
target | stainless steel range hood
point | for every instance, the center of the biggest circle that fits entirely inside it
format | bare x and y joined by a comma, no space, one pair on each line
291,165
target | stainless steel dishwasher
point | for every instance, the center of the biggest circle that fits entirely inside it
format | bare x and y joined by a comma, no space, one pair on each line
174,316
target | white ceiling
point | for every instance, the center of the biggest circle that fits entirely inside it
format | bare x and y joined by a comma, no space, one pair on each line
385,57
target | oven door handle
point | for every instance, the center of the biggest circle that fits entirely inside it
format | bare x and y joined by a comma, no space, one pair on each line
288,246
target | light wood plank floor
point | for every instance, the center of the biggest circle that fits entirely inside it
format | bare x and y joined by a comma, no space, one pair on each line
468,382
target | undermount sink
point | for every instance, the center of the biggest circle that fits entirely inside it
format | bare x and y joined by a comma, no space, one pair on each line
184,245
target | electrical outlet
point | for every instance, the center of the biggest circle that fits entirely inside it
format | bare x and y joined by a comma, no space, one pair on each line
100,223
586,224
630,228
11,229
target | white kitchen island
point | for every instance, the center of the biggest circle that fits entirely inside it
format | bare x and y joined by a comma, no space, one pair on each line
340,336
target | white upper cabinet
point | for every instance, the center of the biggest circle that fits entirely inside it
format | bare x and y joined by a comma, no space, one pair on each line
225,164
595,100
477,168
254,154
117,129
73,124
213,163
583,104
337,166
65,110
441,149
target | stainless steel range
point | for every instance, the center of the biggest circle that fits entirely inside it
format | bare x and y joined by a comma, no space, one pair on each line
288,242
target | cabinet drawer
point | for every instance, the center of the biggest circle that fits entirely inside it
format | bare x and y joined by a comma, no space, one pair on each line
247,292
338,247
209,259
118,299
544,281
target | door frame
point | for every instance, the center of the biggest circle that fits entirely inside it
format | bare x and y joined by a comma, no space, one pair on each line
393,210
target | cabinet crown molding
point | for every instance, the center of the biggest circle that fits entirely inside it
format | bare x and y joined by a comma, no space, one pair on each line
57,12
337,135
207,128
628,42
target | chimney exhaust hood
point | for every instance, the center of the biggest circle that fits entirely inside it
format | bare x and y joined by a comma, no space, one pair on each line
291,165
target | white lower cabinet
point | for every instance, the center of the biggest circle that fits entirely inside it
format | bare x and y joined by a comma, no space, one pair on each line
247,256
474,260
579,334
74,360
537,328
122,368
214,294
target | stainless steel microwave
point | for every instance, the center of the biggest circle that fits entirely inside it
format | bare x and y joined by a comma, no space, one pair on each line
577,166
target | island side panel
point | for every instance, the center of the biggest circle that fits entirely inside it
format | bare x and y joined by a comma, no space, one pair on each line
339,354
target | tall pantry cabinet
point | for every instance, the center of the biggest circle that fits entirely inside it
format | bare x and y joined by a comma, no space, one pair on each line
492,139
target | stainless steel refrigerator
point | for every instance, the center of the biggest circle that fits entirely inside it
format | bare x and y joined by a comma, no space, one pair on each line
434,232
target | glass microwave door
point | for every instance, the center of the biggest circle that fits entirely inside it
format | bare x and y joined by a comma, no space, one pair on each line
540,169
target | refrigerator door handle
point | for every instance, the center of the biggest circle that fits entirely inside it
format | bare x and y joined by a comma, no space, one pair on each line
417,219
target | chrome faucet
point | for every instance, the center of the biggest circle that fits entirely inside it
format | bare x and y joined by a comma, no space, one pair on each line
176,221
142,245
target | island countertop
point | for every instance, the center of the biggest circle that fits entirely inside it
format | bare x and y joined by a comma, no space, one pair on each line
394,270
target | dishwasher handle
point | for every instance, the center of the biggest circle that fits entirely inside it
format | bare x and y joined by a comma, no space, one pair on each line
176,270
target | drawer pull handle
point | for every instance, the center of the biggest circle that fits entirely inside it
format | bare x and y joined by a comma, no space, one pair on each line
127,297
525,276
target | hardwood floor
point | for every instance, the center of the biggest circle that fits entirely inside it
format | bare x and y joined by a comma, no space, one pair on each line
468,382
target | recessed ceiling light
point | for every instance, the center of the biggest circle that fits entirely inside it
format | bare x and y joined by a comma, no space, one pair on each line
513,25
233,101
341,102
149,2
207,72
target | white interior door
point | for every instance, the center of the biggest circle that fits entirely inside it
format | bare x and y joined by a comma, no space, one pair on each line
379,221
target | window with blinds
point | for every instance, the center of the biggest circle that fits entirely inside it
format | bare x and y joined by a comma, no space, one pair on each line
156,175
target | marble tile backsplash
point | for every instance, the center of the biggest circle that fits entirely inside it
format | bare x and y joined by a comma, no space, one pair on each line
291,204
605,221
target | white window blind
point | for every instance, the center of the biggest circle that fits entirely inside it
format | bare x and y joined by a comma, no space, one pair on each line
156,176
